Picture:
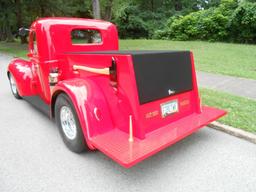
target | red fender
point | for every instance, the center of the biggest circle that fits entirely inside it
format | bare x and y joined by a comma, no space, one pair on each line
21,71
88,99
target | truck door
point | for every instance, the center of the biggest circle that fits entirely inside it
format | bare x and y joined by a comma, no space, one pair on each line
37,82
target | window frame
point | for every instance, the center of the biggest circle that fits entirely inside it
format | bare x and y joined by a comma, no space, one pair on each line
32,42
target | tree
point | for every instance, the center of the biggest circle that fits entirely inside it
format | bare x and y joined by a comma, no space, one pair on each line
96,9
6,18
108,10
178,5
19,19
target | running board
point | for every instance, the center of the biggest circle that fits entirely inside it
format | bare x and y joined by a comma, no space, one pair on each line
38,103
116,145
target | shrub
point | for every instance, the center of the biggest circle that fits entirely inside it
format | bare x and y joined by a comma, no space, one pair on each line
243,23
211,24
133,22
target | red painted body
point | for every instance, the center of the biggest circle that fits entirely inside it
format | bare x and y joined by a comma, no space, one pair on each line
115,103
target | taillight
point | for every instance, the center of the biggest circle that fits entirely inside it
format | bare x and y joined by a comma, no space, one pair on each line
113,73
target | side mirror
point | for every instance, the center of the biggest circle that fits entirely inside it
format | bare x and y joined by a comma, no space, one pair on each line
23,31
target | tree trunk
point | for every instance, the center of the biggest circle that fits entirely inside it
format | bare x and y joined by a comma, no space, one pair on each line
2,33
9,34
108,10
96,9
19,18
178,5
18,13
152,5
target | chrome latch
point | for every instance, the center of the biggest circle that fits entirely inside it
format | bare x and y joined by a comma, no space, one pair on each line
53,76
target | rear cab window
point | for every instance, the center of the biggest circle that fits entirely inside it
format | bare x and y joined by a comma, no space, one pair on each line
85,36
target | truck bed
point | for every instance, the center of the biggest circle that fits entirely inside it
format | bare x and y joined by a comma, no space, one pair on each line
157,71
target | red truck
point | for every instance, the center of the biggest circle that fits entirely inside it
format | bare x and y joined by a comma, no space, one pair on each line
127,104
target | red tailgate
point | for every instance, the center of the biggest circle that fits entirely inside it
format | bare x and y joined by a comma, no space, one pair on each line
115,143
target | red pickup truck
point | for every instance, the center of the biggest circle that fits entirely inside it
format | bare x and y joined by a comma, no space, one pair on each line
127,104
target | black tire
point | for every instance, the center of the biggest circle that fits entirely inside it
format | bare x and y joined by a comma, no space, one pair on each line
78,143
15,90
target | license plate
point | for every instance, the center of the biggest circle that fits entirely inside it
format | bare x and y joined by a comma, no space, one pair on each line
169,108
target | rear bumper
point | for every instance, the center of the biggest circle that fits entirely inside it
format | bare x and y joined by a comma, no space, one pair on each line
115,143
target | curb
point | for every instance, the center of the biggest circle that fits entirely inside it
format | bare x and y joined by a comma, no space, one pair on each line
234,131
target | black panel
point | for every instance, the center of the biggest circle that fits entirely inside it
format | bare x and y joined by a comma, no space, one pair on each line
37,102
158,74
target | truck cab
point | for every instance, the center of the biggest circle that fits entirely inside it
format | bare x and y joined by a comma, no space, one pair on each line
127,104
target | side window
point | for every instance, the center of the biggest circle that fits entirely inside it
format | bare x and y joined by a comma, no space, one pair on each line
33,44
85,36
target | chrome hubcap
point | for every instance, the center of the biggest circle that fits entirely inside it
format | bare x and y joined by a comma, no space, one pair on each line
13,85
68,123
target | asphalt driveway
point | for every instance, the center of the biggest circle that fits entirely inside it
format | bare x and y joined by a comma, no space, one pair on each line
33,158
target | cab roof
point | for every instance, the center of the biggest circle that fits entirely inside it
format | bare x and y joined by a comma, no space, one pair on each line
50,21
53,35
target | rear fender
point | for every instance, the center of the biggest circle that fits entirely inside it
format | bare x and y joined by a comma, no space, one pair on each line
88,100
22,73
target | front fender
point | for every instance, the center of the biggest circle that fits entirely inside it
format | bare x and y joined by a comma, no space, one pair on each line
21,71
87,98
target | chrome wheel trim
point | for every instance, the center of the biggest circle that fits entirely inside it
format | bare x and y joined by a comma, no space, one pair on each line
13,85
68,123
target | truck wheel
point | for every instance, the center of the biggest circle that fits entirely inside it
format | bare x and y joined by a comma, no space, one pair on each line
69,125
13,85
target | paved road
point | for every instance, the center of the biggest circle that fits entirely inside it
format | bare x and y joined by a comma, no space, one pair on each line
233,85
33,158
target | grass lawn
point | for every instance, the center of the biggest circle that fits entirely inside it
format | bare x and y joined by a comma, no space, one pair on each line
241,111
15,48
224,58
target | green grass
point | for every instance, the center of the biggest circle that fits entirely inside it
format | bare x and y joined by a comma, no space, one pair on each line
14,48
241,111
224,58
